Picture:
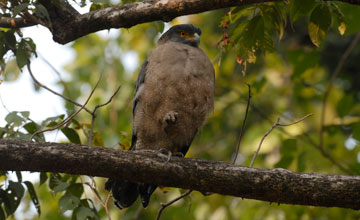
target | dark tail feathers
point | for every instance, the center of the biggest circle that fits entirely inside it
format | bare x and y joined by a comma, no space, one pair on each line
145,191
125,193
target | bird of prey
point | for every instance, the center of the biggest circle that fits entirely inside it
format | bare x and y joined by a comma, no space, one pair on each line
174,93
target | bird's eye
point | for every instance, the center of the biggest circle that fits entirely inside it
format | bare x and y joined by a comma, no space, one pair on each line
182,34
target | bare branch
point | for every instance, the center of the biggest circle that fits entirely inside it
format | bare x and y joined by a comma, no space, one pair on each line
66,89
243,125
165,205
268,132
262,139
295,122
103,204
307,139
68,119
274,185
93,116
52,91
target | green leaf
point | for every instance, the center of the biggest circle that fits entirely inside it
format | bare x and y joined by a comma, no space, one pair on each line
31,127
14,193
17,187
43,177
19,8
68,202
4,199
356,131
14,118
345,105
25,114
252,39
83,213
31,45
10,39
51,121
72,135
76,189
33,196
300,8
319,24
56,184
22,57
254,32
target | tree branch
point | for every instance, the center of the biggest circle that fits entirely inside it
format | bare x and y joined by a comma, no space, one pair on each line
75,25
67,24
15,22
274,185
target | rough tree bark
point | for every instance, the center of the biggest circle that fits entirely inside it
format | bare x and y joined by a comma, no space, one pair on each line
67,24
273,185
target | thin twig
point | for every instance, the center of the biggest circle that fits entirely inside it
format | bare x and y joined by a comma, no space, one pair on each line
276,124
93,116
106,207
262,139
309,140
243,125
165,205
52,91
103,204
71,116
57,73
111,98
336,72
295,122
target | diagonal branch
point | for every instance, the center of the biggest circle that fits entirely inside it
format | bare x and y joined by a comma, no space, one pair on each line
274,185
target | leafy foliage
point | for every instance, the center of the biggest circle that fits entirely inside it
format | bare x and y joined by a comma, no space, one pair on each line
12,41
286,51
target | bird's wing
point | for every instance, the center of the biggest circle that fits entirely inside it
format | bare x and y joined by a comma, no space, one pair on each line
139,83
138,90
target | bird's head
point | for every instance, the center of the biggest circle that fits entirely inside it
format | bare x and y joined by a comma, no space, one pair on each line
182,33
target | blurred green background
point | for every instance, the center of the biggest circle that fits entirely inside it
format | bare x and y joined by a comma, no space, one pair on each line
285,51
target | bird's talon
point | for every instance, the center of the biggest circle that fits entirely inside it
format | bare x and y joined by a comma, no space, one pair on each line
171,117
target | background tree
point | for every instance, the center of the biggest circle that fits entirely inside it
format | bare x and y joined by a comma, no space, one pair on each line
299,57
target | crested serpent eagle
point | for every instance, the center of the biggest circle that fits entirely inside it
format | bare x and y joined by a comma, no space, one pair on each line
174,93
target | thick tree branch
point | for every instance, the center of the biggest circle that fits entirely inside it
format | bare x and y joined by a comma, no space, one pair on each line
67,24
274,185
125,16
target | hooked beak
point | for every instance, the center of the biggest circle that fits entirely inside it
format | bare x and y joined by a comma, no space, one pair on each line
196,38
